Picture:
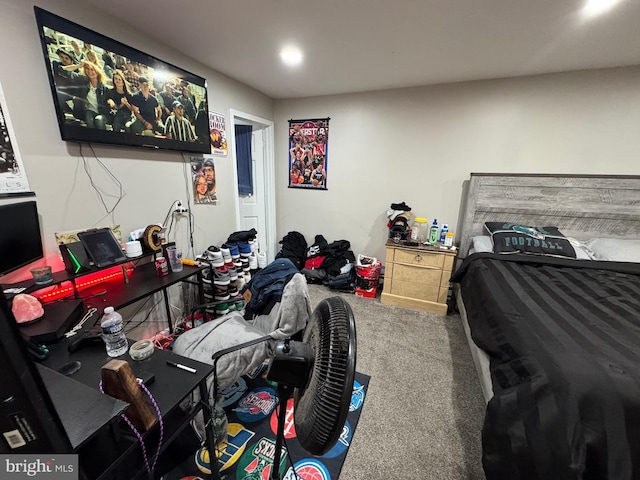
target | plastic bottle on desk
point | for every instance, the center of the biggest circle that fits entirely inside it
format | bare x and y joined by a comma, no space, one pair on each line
113,333
433,232
443,233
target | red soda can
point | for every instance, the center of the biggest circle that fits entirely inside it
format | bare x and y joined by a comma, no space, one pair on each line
162,268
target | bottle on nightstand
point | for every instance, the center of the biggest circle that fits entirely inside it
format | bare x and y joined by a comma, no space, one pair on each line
433,232
443,232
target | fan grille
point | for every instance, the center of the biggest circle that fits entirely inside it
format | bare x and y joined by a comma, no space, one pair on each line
321,408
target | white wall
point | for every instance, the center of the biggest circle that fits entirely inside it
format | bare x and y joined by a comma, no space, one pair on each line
414,145
419,145
151,180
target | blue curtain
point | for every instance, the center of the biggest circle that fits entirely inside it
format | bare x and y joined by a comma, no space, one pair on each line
243,158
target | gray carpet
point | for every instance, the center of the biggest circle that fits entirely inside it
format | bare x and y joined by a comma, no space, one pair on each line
424,408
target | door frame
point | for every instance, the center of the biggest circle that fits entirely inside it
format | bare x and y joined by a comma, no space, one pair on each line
267,128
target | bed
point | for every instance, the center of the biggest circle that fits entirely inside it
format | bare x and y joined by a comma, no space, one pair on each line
555,339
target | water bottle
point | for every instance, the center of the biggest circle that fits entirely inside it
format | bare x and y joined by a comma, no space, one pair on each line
433,232
113,333
443,233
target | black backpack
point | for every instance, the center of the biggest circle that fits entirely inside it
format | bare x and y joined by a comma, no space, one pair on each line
294,247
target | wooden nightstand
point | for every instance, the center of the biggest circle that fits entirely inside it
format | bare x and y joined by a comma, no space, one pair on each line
417,277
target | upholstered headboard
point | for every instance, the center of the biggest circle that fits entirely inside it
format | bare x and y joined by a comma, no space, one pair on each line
582,206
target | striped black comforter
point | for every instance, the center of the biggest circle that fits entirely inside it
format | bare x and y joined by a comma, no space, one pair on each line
563,337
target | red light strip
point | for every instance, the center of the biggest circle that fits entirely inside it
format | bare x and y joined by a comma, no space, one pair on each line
61,292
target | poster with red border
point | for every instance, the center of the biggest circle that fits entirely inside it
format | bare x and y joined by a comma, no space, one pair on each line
218,133
308,153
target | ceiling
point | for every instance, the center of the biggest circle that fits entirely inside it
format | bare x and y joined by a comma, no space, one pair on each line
362,45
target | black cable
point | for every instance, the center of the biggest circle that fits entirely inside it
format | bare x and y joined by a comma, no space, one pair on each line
171,209
295,474
187,184
94,186
145,318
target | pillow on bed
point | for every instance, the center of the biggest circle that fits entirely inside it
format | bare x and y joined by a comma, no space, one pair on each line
615,249
515,238
482,244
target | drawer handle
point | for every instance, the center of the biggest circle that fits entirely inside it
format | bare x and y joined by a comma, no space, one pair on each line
418,257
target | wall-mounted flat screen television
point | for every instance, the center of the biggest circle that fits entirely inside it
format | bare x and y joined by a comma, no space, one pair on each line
20,239
107,92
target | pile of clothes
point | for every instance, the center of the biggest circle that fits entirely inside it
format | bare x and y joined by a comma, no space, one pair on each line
322,262
399,223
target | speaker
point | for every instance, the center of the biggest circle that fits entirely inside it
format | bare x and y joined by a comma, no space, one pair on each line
75,257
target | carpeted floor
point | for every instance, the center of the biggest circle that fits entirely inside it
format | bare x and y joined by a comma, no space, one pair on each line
424,409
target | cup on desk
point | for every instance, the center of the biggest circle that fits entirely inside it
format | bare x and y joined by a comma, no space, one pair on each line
42,275
175,259
133,249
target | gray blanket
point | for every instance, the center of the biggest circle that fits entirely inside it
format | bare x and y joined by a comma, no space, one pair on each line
286,318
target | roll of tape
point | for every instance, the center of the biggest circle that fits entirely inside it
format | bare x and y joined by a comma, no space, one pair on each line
141,349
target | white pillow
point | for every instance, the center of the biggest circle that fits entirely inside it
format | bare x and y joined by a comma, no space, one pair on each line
482,244
583,252
615,249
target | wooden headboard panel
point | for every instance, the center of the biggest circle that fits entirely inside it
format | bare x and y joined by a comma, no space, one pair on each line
582,206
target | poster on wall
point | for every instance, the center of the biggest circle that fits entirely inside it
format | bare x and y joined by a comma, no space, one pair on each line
203,173
218,133
13,178
308,140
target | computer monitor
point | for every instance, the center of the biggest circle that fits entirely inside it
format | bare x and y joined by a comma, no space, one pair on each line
20,238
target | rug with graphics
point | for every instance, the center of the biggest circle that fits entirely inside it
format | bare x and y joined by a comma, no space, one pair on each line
250,405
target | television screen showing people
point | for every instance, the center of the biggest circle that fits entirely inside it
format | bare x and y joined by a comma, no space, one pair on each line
107,92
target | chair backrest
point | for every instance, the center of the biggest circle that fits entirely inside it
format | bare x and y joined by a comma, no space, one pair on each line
291,314
286,318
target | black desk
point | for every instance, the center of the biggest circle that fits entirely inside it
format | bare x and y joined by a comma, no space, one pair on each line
141,283
108,449
120,292
83,410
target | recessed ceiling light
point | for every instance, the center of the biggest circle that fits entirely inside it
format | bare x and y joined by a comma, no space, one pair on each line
596,7
291,56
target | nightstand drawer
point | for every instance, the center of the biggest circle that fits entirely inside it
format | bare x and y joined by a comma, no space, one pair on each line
422,259
415,290
417,275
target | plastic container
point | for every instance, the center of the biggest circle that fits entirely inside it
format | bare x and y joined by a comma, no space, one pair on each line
175,258
419,232
113,333
443,232
448,239
433,232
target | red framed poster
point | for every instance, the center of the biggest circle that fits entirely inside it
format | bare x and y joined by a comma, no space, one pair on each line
308,149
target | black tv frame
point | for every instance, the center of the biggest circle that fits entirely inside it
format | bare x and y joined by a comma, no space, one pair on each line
75,132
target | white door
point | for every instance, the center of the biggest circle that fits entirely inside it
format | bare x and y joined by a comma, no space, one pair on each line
258,210
252,207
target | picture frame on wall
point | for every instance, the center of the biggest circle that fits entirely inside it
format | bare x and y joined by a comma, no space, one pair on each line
308,153
203,174
13,178
218,133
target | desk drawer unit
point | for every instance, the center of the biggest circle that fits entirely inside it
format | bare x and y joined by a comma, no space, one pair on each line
417,278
